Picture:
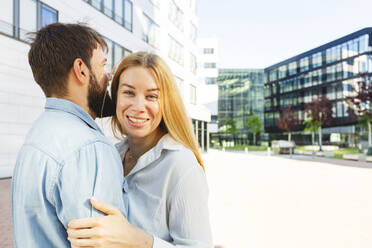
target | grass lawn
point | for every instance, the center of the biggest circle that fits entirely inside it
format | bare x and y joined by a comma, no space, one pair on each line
338,153
242,148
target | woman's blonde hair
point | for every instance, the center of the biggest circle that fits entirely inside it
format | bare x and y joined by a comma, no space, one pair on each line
174,118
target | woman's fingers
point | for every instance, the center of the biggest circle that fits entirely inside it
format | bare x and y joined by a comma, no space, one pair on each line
84,223
104,207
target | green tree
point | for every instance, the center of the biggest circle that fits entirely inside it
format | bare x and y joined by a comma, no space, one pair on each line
230,127
311,126
254,125
360,101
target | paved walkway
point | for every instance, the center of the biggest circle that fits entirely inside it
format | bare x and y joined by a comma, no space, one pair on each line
6,237
264,202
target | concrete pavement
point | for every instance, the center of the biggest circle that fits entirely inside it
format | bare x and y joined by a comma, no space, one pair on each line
264,202
6,236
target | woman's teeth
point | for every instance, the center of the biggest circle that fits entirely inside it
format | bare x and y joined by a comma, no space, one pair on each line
135,120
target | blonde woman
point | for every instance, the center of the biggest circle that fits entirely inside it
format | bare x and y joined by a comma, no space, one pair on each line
166,190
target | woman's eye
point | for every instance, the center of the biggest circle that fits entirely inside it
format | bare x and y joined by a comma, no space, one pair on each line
152,97
128,92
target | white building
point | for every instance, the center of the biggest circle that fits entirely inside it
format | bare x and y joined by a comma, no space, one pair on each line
166,27
208,72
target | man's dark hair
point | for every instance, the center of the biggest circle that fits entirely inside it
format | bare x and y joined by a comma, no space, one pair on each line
54,50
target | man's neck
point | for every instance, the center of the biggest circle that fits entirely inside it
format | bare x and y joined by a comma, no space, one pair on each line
80,102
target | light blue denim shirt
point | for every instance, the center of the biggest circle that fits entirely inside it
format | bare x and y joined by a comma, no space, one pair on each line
64,161
167,195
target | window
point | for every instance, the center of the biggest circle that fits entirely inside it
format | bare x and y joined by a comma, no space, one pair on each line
6,17
192,94
175,51
282,71
363,43
317,59
28,18
109,56
48,15
209,65
96,4
128,12
210,80
272,75
118,10
304,64
192,63
115,53
32,15
150,32
339,109
208,50
193,32
175,15
292,68
107,7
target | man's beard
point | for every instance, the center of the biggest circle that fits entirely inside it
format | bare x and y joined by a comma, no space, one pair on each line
99,100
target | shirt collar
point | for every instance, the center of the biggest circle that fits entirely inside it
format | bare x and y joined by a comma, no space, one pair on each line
165,143
72,108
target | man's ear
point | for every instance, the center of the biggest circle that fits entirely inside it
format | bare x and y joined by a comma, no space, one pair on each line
80,71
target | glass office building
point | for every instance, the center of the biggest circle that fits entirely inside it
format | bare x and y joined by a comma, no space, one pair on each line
240,95
329,70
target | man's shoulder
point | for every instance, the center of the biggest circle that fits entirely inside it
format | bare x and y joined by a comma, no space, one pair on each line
59,133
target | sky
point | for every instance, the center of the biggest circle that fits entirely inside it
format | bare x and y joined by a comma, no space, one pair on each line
260,33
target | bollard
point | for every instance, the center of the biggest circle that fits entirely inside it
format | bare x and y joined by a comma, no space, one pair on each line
246,150
223,149
268,151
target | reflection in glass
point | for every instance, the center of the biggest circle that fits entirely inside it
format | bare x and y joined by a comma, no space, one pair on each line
6,17
48,15
128,10
27,18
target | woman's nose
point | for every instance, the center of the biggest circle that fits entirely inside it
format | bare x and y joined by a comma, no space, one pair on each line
139,103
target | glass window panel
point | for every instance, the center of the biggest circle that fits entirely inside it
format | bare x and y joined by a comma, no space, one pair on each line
292,68
109,55
96,4
119,11
344,51
118,54
27,19
272,76
282,71
107,7
339,109
48,15
304,64
128,11
6,17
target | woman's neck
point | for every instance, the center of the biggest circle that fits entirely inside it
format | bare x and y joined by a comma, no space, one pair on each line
139,146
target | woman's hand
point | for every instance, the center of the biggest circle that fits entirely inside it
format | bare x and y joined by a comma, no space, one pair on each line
112,230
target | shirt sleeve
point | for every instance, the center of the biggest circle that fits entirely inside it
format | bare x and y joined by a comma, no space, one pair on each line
189,224
94,170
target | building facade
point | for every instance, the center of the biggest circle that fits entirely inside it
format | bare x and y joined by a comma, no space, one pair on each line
331,70
165,27
208,72
240,95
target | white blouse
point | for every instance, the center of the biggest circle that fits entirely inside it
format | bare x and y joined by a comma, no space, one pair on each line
167,195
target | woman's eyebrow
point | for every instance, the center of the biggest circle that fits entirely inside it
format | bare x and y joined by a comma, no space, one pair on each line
128,85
